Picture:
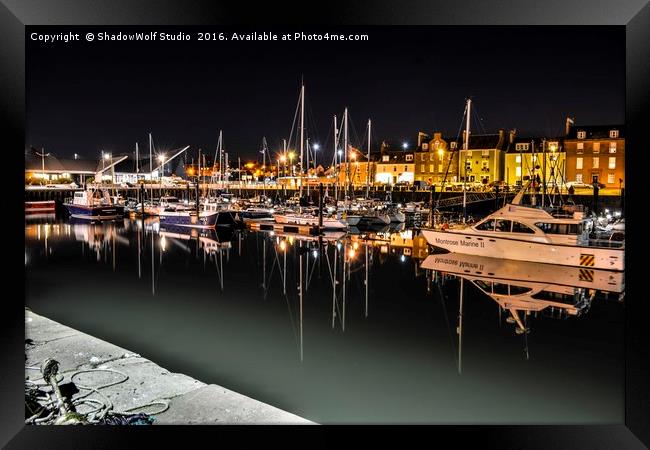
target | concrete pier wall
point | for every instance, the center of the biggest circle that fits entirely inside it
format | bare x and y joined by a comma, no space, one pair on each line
190,401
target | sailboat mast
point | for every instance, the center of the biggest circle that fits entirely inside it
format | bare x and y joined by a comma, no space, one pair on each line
368,162
543,171
150,167
137,169
302,132
336,166
469,111
263,165
345,150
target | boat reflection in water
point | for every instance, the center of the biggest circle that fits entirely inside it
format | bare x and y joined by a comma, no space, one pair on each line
523,288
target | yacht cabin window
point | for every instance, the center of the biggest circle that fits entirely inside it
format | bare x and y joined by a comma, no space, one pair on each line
518,227
560,228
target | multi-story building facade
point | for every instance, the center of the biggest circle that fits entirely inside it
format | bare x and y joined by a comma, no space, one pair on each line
484,160
528,158
394,167
436,160
595,153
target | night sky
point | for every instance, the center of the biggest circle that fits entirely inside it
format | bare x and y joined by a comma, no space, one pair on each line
84,97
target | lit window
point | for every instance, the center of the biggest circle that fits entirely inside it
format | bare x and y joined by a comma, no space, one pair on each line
422,156
431,169
385,158
582,134
431,157
610,178
596,147
421,167
613,134
578,178
521,146
469,153
518,171
441,156
578,163
485,152
612,147
425,146
453,145
518,159
440,168
596,162
409,157
534,158
612,162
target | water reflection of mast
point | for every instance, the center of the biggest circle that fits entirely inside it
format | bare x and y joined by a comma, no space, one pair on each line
153,262
300,296
460,327
366,281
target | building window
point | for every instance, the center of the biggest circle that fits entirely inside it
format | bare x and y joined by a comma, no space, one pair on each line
385,158
581,147
610,178
406,169
441,156
534,159
613,134
485,152
582,134
453,145
425,146
612,147
596,147
486,167
596,162
518,159
431,169
409,157
421,167
521,146
612,162
578,163
394,168
431,157
422,156
578,178
469,153
518,171
440,168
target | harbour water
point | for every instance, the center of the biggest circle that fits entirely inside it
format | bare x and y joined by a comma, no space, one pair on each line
345,329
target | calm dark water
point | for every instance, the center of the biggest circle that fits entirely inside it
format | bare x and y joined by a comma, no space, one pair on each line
214,307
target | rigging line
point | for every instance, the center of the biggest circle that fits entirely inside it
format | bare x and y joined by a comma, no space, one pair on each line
444,179
293,124
477,118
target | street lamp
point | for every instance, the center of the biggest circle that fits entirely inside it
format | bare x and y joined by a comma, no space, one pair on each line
161,158
405,145
291,155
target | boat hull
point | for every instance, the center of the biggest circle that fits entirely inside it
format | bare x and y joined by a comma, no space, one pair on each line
40,207
95,212
328,222
205,219
540,252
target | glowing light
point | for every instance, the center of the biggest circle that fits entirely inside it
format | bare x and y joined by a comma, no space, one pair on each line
161,158
617,214
355,245
405,145
314,254
402,258
163,243
283,158
338,245
353,156
340,152
316,147
351,253
107,156
283,245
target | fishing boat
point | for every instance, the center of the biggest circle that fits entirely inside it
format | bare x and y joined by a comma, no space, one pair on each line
529,233
90,206
210,216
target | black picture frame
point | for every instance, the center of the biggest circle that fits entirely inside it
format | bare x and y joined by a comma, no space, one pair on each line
634,15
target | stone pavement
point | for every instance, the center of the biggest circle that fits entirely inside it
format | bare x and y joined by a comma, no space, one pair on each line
190,401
